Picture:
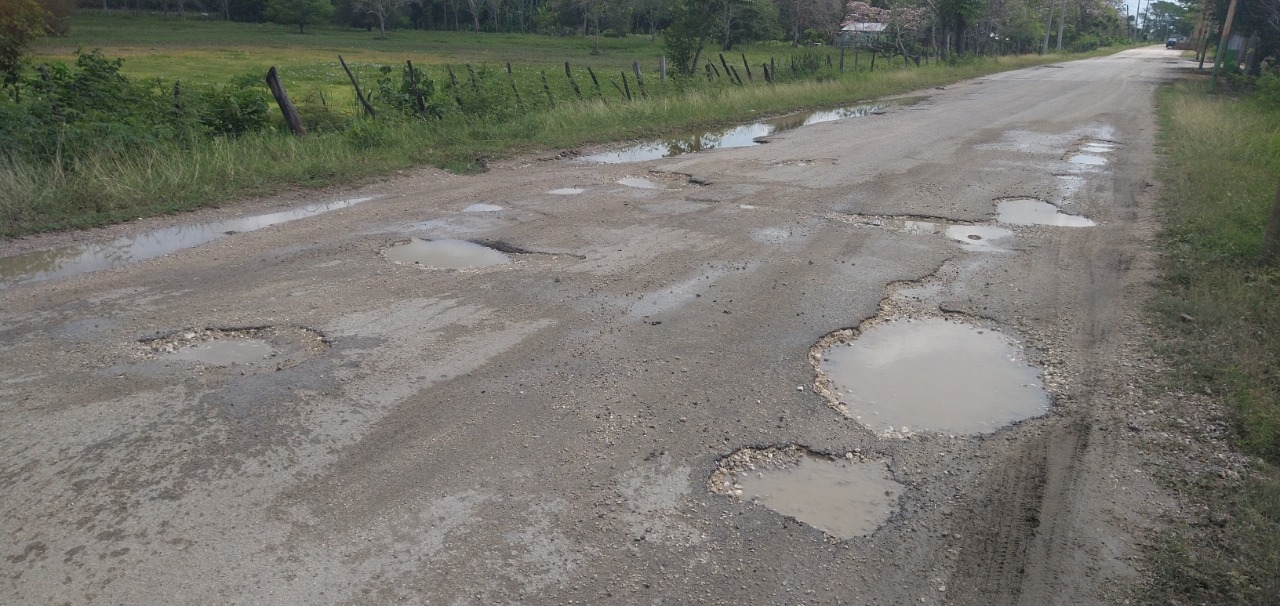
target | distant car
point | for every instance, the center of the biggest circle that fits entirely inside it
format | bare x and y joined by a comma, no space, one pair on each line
1170,43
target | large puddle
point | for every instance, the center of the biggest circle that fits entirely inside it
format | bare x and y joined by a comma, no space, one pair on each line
71,260
845,498
444,254
933,375
745,135
1029,211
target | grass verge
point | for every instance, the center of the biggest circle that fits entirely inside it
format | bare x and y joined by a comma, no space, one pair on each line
1219,314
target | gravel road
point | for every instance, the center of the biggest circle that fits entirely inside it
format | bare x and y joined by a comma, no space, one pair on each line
546,430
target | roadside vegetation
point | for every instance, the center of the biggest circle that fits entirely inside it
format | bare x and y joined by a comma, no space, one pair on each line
1219,315
124,114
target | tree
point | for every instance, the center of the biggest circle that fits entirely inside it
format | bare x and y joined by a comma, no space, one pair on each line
21,21
380,10
300,12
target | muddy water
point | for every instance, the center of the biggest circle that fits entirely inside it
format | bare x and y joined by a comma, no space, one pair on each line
225,352
567,191
933,375
1088,160
71,260
638,183
445,254
980,238
745,135
841,498
482,208
1035,212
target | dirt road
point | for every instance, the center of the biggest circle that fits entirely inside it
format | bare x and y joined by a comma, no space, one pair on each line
558,428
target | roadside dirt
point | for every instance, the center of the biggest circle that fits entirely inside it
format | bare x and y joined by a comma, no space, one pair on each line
543,431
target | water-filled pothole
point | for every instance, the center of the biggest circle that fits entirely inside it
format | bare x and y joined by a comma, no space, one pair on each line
638,183
444,254
934,375
72,260
844,497
745,135
1028,211
567,191
235,346
482,208
1088,160
983,238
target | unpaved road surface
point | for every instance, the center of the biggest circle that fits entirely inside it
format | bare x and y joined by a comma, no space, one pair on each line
542,432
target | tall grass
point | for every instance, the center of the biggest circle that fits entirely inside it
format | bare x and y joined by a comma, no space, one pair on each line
1219,311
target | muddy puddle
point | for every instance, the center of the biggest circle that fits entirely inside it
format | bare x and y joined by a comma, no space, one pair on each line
935,375
225,352
745,135
844,497
1088,160
282,346
567,191
72,260
979,238
444,254
482,208
638,183
1029,211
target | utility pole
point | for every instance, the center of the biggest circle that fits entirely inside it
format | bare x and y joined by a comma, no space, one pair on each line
1222,45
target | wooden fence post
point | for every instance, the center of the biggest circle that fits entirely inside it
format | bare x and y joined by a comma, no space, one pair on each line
842,59
514,90
725,64
547,87
635,67
662,68
626,86
368,109
286,106
747,66
595,82
417,91
574,83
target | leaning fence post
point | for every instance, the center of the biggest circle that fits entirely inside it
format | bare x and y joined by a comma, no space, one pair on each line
635,67
286,106
368,109
417,91
626,86
724,63
453,83
595,82
547,87
514,90
736,75
747,66
574,83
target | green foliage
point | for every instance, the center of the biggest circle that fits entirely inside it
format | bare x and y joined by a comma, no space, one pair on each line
297,12
21,21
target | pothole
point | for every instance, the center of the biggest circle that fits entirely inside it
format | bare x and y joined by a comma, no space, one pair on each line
444,254
845,497
1087,159
482,208
72,260
638,183
979,238
744,135
567,191
269,345
1029,211
903,376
